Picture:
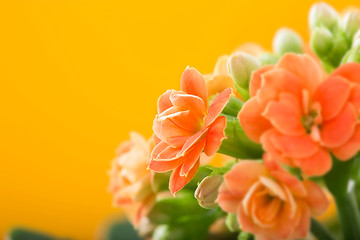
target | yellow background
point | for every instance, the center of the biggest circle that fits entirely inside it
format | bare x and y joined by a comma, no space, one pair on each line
77,76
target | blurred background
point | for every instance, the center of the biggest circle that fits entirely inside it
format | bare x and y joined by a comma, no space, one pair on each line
76,76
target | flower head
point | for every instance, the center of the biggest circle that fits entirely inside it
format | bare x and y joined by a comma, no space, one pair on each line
269,202
185,127
299,118
129,178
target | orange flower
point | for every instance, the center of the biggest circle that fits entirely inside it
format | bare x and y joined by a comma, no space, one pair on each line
299,118
220,79
270,202
129,178
185,127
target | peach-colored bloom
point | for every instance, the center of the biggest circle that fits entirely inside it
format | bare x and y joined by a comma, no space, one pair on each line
270,202
185,127
220,79
299,118
129,178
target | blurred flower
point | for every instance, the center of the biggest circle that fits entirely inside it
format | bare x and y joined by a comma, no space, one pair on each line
220,79
322,14
130,179
185,127
251,48
270,202
298,117
286,40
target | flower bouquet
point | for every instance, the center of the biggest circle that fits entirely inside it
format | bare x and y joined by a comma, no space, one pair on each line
263,148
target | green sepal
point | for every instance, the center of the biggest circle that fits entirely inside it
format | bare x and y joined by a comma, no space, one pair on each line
237,144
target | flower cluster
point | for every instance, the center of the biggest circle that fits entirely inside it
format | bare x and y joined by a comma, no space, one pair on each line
285,126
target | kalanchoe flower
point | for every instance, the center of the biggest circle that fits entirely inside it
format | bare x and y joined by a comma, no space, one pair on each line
185,127
129,178
270,202
219,79
299,118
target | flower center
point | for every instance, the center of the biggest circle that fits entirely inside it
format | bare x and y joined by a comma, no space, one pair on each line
308,121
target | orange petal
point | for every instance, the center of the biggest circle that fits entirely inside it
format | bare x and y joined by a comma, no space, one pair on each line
317,164
164,166
272,152
305,67
350,71
215,135
168,154
256,79
192,157
197,137
273,187
227,201
355,97
177,182
246,221
284,177
191,102
294,146
338,130
276,81
303,226
193,83
285,115
242,176
350,148
332,95
164,102
251,120
217,106
316,198
161,146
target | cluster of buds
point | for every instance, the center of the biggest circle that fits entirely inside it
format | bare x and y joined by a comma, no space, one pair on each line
333,36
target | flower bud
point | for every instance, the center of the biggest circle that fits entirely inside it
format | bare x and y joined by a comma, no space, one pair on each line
321,41
232,223
351,23
353,55
286,40
207,191
267,58
356,39
240,66
322,15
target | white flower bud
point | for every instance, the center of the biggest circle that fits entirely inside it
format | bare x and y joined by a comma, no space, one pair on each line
322,14
240,66
287,40
351,23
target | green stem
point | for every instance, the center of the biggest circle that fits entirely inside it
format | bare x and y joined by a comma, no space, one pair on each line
341,184
320,231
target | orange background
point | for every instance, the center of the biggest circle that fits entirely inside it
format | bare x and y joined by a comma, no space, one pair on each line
77,76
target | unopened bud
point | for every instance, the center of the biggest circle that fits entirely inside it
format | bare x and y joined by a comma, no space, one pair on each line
322,15
232,222
207,191
353,55
287,40
351,23
356,39
321,41
267,58
240,66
